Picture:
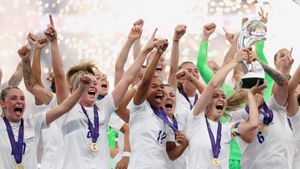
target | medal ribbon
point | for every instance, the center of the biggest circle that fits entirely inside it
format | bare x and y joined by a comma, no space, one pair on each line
94,130
215,145
187,98
267,113
159,112
17,147
290,123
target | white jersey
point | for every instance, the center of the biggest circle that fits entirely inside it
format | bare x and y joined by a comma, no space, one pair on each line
148,135
74,126
271,149
295,120
180,99
199,151
181,113
32,131
52,141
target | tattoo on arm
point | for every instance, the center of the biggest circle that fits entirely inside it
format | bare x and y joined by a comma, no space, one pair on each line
277,76
28,79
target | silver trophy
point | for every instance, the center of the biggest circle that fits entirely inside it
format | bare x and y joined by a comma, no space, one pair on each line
254,30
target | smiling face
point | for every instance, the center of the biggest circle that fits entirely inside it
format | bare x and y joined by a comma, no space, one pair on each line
89,96
161,65
103,84
155,93
218,104
169,101
13,104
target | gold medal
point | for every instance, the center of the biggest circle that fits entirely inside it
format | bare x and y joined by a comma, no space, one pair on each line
19,166
216,161
94,147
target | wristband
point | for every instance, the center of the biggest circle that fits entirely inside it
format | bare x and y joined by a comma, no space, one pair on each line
126,154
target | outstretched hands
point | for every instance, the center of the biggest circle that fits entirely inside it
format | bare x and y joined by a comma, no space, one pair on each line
50,32
161,45
263,15
85,80
151,42
230,37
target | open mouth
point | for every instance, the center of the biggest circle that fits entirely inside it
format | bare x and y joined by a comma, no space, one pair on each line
159,96
169,105
92,92
18,110
104,85
158,69
219,106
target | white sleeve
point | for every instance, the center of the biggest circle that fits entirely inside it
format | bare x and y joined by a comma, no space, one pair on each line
227,128
40,121
239,116
274,104
107,103
115,122
136,108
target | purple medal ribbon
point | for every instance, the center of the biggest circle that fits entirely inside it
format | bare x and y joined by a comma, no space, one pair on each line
93,130
187,98
17,147
267,113
159,112
290,123
215,145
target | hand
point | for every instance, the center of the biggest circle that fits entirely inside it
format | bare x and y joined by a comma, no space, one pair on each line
135,32
251,56
289,57
183,74
179,32
151,43
181,139
264,17
258,88
139,22
37,42
208,29
123,163
161,45
24,52
85,80
50,32
230,37
240,56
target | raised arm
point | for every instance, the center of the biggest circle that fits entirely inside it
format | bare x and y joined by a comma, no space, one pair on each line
202,65
62,91
216,81
38,43
281,87
36,90
16,78
144,86
292,104
183,74
134,34
232,39
247,129
68,104
137,43
179,32
131,73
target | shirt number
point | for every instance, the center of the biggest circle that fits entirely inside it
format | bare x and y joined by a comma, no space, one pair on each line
161,136
260,137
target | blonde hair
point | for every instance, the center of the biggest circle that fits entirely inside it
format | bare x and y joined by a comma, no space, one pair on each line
236,99
75,71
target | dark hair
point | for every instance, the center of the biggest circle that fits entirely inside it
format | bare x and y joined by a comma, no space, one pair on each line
5,91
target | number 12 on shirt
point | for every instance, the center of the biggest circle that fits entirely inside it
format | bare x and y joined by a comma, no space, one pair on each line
161,136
